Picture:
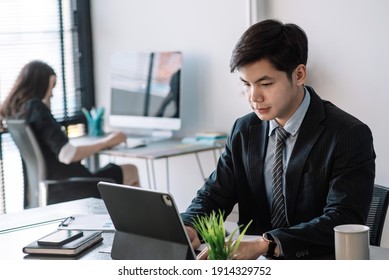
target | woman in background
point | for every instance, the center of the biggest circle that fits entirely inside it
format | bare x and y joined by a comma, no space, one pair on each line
30,100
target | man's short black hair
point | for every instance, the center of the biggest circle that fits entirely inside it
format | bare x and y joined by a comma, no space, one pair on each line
284,45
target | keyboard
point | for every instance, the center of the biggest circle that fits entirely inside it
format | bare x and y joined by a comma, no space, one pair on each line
135,142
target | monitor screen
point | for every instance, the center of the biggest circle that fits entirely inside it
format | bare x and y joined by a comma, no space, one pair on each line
146,90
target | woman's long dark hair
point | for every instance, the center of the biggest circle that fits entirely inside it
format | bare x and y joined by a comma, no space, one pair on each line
32,82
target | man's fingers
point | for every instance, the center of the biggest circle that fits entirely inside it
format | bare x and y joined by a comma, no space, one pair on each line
203,255
193,237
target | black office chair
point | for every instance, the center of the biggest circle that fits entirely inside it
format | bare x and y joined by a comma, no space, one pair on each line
38,190
377,214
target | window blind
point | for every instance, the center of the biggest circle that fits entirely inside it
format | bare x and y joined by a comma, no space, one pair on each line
41,29
46,30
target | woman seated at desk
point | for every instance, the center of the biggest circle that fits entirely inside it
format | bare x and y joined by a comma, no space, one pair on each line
30,100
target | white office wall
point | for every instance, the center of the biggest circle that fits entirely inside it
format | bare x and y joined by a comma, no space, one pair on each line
348,55
205,31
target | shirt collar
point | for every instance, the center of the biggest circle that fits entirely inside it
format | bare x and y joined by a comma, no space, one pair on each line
293,124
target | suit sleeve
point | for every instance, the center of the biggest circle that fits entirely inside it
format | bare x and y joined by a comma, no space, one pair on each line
219,190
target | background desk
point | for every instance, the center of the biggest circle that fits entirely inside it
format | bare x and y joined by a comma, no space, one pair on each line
151,152
19,229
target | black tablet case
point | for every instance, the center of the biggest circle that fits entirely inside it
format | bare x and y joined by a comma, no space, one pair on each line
148,225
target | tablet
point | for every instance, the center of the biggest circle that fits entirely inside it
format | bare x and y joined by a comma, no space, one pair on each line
147,222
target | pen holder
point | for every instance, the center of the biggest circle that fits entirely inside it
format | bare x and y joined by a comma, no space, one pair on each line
94,121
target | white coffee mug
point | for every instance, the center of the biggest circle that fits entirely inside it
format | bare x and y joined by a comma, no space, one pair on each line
352,242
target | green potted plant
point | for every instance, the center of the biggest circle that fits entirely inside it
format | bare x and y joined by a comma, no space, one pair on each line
212,230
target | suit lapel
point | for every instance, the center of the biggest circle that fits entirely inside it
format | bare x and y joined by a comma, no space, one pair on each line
309,132
256,157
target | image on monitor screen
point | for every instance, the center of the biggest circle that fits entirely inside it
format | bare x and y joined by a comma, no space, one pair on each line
146,90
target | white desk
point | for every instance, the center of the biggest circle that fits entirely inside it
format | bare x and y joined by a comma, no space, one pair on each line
19,229
151,152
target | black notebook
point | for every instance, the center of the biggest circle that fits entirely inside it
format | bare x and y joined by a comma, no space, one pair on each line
71,248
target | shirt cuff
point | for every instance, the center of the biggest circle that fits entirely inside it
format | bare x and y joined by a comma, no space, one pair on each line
279,246
67,153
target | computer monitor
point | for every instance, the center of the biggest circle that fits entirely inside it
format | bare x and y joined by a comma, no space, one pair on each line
146,92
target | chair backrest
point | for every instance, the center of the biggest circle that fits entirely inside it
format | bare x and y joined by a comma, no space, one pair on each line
377,213
33,159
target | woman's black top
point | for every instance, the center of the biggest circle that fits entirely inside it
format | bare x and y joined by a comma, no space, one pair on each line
52,138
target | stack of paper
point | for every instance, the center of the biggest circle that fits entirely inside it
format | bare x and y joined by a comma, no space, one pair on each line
213,138
101,222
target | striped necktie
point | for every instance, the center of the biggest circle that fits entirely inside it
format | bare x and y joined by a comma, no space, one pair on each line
278,218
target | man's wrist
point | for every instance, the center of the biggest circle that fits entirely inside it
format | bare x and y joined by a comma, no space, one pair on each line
271,245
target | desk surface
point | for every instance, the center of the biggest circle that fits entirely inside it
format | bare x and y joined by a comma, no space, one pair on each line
153,150
19,229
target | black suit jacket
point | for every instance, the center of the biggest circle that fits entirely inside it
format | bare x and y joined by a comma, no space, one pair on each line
329,179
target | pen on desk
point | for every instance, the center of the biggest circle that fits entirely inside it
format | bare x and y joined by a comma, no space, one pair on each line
67,221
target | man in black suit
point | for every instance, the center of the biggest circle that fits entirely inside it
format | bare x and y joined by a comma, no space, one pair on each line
328,159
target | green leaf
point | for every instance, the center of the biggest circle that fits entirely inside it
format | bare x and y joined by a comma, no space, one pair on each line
239,239
213,232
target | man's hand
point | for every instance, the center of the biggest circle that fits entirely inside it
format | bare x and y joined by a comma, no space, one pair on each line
250,249
193,237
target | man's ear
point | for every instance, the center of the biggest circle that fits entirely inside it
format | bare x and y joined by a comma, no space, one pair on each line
300,74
